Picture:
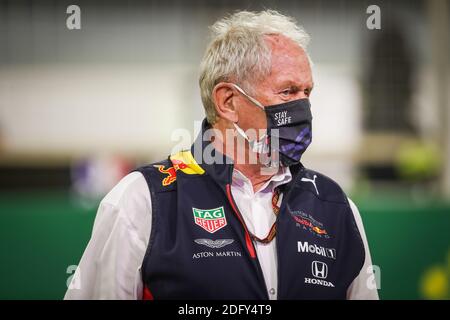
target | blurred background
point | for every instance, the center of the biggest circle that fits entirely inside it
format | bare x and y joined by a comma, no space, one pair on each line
81,108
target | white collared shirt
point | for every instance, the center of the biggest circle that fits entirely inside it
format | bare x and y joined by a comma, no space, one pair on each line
110,267
257,211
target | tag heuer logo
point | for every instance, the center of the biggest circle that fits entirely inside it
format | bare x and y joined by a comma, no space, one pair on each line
210,219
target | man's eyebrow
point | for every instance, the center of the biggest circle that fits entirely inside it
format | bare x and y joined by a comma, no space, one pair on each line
289,83
296,84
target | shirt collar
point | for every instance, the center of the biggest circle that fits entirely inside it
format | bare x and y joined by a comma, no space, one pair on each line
283,176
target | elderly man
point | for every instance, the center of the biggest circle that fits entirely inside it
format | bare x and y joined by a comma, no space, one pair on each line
237,216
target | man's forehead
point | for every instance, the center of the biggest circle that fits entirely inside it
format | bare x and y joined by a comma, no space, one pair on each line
281,43
289,61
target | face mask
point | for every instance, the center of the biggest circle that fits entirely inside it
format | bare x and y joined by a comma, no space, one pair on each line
289,123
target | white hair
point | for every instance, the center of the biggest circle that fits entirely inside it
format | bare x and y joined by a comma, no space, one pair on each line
238,52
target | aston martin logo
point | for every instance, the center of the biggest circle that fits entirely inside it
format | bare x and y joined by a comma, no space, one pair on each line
219,243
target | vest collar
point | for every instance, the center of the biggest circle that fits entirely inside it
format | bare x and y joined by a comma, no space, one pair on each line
221,169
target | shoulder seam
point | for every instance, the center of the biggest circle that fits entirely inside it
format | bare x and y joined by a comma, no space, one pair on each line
119,200
339,189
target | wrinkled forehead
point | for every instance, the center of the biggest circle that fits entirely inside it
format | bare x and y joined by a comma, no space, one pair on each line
288,59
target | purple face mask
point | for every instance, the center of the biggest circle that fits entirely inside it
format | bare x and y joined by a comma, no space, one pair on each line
290,124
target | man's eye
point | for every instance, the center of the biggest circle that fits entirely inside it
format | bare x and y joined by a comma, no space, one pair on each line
287,92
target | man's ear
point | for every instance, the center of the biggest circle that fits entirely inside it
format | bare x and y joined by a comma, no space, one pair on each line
223,94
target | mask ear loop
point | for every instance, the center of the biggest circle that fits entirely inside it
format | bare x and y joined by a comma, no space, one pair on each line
256,102
257,146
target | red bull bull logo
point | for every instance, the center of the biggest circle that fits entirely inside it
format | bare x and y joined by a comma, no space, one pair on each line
307,222
183,161
319,231
171,174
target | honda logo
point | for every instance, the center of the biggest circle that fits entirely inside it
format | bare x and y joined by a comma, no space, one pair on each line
319,269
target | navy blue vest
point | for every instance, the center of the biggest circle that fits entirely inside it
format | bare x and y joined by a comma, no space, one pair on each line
200,248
